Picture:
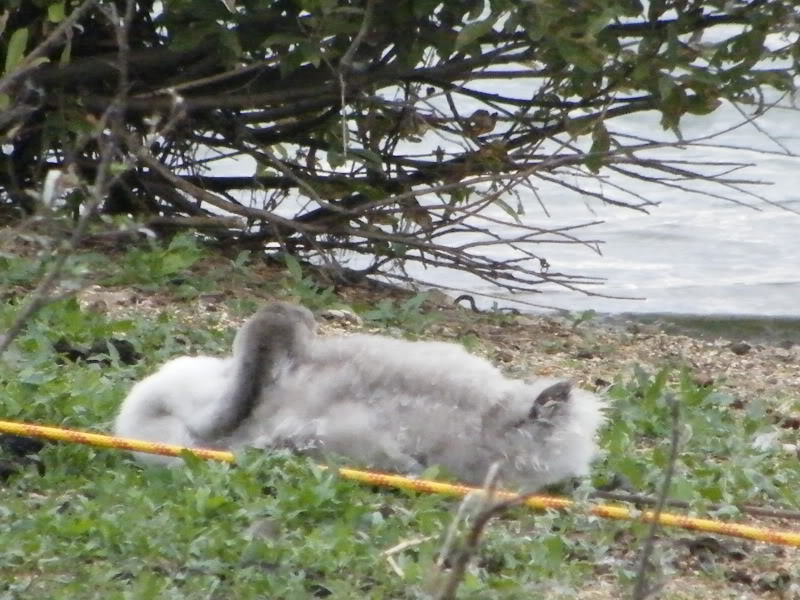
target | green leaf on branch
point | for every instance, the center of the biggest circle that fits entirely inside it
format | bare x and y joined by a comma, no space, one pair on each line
335,158
16,48
581,55
776,78
701,104
601,144
117,168
293,266
579,126
367,157
473,32
55,12
600,21
665,86
507,209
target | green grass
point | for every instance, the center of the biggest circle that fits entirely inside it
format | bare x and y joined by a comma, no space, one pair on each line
96,525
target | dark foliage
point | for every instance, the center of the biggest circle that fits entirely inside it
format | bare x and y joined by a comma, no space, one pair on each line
371,128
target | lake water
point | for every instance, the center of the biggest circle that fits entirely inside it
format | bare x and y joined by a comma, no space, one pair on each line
692,254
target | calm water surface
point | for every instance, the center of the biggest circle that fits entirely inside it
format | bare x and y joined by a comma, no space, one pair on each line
693,254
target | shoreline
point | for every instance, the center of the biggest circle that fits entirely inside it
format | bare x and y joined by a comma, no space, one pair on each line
764,329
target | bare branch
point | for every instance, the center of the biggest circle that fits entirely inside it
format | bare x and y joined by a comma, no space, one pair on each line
110,122
642,589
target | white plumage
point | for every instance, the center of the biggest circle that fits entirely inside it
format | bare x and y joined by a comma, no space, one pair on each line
379,402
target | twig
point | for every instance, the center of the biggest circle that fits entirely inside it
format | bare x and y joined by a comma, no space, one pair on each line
470,545
388,554
196,221
41,295
28,62
642,589
346,65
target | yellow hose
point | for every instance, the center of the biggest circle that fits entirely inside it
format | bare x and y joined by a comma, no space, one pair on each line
608,511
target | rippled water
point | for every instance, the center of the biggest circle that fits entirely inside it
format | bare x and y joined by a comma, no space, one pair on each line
692,254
